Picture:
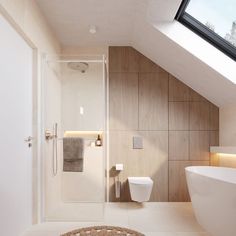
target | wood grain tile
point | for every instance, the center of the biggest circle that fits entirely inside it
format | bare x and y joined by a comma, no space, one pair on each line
214,117
178,190
153,101
146,65
120,151
196,97
178,91
123,59
151,161
178,116
123,101
214,141
178,145
227,161
174,121
199,145
199,115
214,159
214,138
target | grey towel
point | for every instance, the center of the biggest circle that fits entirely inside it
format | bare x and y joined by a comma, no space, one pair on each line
73,166
73,154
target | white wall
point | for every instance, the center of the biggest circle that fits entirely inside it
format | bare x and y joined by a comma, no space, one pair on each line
228,125
83,91
85,50
16,157
86,186
228,134
28,20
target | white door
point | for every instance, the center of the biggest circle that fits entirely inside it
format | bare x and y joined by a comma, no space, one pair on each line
15,126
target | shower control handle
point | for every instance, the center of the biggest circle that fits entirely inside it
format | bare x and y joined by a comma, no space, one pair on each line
55,130
52,134
48,135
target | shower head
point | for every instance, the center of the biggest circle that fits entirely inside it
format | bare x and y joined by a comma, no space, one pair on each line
79,66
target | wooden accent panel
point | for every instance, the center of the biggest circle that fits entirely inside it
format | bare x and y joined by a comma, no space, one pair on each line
178,116
146,65
178,190
123,59
196,97
181,129
178,145
214,141
151,161
199,115
123,101
214,117
227,161
178,91
214,159
214,138
153,101
199,145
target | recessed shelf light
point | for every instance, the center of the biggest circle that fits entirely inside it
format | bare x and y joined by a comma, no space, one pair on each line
223,150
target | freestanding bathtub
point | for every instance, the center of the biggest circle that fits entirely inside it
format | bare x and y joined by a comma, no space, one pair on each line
213,195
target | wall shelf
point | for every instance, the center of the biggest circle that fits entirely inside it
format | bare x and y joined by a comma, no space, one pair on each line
223,149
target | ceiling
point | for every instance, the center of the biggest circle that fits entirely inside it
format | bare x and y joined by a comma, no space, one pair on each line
133,23
114,19
71,20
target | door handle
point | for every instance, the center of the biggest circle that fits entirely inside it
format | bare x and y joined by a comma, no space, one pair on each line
28,139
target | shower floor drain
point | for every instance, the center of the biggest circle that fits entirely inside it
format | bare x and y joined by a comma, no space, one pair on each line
103,231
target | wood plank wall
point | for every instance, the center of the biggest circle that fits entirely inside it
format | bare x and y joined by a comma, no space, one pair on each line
177,126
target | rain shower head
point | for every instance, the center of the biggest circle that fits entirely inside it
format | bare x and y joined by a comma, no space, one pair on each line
79,66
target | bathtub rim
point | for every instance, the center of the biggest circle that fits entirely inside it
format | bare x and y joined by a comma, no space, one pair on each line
228,181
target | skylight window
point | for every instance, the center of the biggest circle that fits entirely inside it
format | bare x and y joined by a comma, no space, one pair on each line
213,20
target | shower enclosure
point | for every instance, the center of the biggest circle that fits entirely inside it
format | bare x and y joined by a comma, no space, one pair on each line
74,106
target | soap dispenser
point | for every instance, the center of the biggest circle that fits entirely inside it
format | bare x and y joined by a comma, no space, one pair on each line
98,141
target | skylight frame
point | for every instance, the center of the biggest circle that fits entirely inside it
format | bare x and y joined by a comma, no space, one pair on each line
200,29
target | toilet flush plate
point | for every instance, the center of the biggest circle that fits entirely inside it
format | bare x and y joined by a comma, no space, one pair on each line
137,142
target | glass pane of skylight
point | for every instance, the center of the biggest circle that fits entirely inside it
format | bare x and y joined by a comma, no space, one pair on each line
218,15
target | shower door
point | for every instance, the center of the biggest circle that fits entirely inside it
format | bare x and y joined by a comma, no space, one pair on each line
74,98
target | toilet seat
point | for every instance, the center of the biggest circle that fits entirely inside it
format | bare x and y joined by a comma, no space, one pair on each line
140,180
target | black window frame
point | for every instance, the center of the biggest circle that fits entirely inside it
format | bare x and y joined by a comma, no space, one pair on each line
200,29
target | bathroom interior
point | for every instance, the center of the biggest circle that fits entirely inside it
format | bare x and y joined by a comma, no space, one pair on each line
126,119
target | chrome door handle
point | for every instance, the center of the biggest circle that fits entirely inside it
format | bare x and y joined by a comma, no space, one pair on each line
28,139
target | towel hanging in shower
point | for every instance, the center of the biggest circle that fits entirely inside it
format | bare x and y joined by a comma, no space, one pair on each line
73,154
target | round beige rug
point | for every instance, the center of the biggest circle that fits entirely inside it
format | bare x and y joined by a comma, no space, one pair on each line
103,231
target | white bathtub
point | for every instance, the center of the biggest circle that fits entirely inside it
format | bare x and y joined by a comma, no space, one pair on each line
213,195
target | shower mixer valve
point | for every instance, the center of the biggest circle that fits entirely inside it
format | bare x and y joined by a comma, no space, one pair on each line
51,135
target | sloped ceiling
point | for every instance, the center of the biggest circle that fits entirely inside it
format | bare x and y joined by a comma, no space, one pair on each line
140,24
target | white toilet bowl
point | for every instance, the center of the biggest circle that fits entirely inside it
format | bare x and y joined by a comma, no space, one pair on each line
140,188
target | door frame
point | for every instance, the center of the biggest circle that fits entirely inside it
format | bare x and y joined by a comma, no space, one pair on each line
36,85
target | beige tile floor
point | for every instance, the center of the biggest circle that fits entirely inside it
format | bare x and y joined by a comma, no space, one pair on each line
152,219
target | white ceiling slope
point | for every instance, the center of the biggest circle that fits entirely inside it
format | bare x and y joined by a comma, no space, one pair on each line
148,26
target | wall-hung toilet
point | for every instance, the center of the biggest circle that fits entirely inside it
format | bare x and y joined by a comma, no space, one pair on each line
140,188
